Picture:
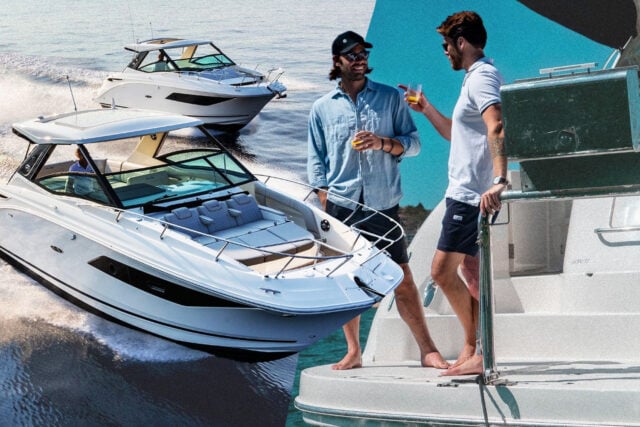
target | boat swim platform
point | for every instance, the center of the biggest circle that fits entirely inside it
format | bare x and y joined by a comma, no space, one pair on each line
541,393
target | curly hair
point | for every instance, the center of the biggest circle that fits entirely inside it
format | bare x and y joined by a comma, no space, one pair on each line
465,24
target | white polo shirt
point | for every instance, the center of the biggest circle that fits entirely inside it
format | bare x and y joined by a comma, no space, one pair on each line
470,163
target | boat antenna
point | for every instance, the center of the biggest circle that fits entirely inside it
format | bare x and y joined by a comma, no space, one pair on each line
151,29
75,107
133,31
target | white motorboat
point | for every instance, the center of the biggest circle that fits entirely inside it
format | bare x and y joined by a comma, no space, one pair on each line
559,295
182,242
193,78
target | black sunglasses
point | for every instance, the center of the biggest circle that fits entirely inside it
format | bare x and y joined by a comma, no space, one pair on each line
351,56
446,44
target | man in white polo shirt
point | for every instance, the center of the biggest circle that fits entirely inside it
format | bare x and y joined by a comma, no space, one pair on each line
477,173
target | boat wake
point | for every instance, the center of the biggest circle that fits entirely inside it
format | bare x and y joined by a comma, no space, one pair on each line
22,299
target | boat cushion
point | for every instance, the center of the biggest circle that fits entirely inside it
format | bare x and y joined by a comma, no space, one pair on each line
247,208
216,216
252,238
187,219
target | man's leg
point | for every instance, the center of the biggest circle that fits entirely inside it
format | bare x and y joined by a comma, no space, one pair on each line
444,270
470,269
411,311
353,358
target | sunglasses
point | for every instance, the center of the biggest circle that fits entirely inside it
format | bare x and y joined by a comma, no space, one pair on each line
352,57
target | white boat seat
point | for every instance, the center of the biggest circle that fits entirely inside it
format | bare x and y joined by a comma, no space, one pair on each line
290,231
153,178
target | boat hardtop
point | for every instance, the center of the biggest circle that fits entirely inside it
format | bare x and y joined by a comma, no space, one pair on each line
100,125
164,43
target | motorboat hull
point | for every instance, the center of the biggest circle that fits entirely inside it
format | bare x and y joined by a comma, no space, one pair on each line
566,351
66,260
209,101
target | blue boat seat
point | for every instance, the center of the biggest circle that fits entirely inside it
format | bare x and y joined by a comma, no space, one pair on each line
187,219
246,211
257,230
215,215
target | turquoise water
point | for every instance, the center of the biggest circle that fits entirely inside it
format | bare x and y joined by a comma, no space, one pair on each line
329,350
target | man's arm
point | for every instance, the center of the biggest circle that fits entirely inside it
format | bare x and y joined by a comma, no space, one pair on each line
439,121
492,116
316,153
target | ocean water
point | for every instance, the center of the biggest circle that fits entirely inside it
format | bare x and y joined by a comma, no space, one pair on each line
60,365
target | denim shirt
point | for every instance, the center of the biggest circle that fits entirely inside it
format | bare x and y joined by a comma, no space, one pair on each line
372,175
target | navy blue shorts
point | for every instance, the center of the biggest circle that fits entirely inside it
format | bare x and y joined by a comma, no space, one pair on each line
460,228
376,224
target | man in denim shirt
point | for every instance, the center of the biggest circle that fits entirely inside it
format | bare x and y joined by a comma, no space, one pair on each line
358,133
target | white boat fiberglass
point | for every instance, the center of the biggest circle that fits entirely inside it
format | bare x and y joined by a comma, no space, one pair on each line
193,78
184,243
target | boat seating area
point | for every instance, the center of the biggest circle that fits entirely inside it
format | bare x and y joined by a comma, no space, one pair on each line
263,234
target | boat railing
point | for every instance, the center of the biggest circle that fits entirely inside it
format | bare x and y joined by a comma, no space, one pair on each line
491,374
598,158
615,229
341,257
381,241
226,243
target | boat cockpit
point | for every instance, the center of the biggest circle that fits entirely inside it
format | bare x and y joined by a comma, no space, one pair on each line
178,55
145,176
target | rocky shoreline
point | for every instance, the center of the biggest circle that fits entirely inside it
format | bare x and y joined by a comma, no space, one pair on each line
411,218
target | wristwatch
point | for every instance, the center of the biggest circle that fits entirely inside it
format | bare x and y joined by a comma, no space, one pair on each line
500,180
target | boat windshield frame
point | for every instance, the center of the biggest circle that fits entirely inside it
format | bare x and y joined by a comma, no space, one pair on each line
172,176
180,58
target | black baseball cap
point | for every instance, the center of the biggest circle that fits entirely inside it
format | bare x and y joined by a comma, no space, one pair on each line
347,41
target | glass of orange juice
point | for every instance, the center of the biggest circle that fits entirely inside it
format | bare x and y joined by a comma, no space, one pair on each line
413,93
355,141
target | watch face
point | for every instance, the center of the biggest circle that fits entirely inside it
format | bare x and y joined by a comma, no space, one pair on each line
499,180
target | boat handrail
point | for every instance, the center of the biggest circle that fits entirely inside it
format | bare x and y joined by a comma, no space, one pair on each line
612,228
380,242
226,242
490,372
311,191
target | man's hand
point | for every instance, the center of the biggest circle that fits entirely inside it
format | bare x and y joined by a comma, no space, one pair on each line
490,201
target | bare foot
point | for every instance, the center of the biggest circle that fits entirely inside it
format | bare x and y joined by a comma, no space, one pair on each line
349,361
471,366
468,351
434,360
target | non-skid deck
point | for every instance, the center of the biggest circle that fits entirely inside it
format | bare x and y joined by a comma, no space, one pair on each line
549,393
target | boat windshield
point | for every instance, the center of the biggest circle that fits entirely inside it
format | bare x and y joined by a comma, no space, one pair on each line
137,181
190,58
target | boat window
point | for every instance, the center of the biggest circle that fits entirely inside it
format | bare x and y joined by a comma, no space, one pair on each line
61,174
183,174
138,59
156,61
199,58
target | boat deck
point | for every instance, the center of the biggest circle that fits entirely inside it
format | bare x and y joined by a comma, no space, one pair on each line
548,393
